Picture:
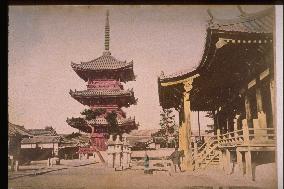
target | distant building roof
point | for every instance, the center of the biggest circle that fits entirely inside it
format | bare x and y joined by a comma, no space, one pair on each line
49,131
260,22
80,140
42,140
17,130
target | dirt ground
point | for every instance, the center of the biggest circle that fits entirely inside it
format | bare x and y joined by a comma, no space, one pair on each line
95,176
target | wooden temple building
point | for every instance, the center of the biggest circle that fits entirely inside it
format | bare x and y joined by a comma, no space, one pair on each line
104,76
235,82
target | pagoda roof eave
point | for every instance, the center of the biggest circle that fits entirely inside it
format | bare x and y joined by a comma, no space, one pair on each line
124,73
84,96
102,93
125,124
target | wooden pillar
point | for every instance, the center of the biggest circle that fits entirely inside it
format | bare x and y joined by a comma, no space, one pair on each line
215,122
259,104
218,136
227,161
261,116
185,130
236,134
198,125
12,163
248,162
196,165
272,98
239,168
245,131
248,111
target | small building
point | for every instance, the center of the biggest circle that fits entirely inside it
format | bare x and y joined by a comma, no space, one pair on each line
15,134
40,147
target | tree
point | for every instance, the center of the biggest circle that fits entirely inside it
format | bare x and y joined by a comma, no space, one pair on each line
113,128
167,122
168,125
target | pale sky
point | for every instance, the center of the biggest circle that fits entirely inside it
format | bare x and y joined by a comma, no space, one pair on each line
43,40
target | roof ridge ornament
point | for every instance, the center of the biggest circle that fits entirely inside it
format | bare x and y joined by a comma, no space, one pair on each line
107,34
210,14
241,10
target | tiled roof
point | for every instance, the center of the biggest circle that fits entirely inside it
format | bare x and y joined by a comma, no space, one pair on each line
46,132
102,92
176,74
103,121
104,62
42,139
17,130
260,22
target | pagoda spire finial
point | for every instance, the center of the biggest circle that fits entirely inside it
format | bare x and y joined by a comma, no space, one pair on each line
107,31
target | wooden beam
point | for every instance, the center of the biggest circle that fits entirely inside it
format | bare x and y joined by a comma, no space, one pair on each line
189,79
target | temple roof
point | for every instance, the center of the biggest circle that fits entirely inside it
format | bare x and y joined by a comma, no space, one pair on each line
233,48
177,75
225,69
260,22
17,130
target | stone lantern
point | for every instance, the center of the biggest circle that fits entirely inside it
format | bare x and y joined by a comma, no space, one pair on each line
110,152
126,154
118,153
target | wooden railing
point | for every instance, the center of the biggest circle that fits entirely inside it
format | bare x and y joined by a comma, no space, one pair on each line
209,150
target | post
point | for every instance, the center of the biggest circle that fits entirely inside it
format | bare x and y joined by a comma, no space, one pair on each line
227,162
185,130
248,164
110,152
12,163
239,162
198,125
17,165
48,162
236,134
196,160
272,98
245,131
118,153
262,124
218,136
248,111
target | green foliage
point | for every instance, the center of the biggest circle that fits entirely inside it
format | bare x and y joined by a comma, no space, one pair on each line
112,121
73,135
169,128
167,122
90,114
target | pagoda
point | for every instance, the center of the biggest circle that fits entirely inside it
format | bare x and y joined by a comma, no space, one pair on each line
105,92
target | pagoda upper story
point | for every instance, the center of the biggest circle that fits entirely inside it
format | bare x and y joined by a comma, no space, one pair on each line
105,67
104,76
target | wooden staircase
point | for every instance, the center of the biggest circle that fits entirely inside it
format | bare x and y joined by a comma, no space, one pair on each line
207,154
